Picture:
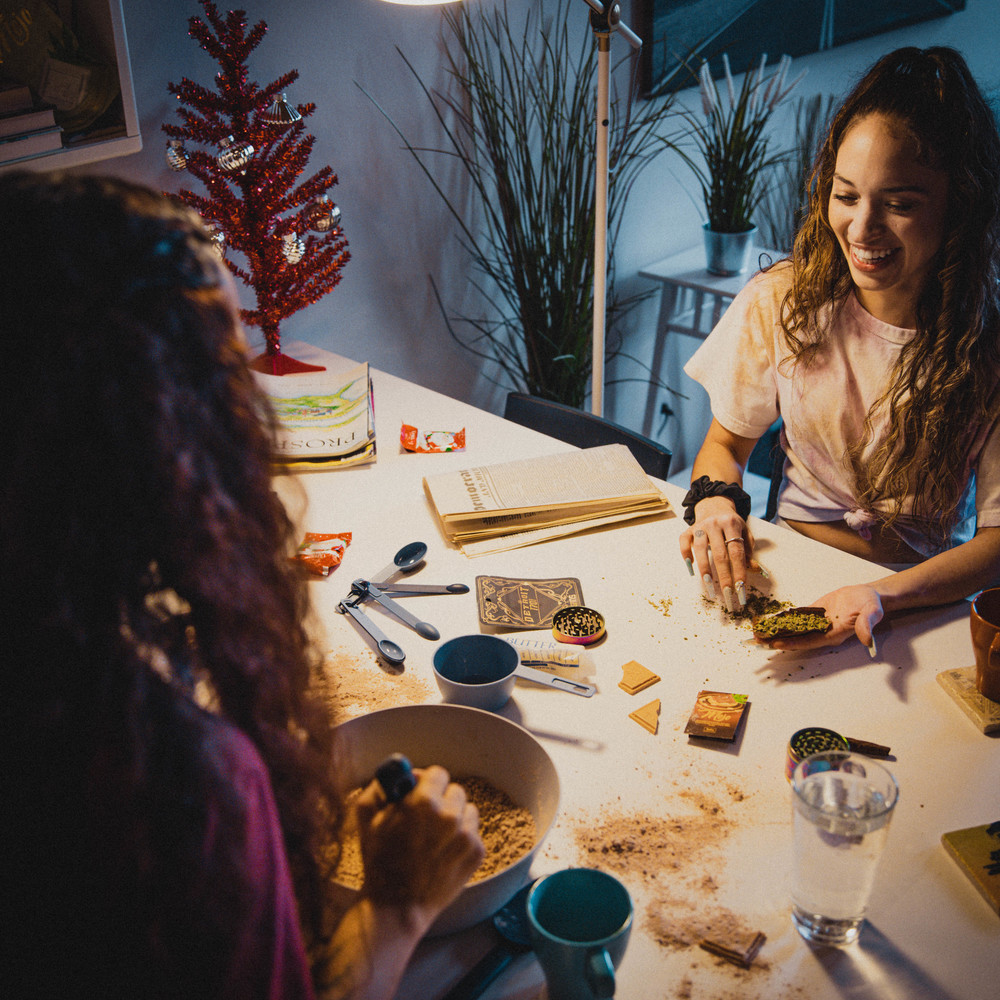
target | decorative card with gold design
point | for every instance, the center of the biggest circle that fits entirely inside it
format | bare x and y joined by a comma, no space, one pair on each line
511,603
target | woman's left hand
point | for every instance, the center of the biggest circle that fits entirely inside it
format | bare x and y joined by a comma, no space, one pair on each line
854,611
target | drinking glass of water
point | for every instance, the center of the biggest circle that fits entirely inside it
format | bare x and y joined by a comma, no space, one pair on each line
842,806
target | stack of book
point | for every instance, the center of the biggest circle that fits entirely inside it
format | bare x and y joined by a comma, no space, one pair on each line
493,508
26,129
327,418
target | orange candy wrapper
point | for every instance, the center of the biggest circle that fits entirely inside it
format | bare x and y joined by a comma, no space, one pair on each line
431,441
322,553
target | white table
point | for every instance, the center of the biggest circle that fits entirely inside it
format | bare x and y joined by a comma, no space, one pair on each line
930,934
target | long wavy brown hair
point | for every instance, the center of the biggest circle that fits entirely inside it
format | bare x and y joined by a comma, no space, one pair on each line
943,386
144,554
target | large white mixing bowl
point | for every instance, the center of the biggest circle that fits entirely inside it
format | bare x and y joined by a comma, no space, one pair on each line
467,742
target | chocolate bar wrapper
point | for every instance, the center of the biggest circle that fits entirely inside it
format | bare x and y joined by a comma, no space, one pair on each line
716,715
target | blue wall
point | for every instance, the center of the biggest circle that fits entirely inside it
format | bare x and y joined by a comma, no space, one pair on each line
384,310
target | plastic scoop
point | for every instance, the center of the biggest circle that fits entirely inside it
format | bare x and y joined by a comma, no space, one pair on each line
407,558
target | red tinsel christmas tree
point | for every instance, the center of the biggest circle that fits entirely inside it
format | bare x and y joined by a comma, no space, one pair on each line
288,232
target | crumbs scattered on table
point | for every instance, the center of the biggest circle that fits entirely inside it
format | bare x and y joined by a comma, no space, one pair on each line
662,605
355,685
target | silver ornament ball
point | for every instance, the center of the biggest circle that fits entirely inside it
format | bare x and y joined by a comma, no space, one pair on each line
293,248
233,155
176,155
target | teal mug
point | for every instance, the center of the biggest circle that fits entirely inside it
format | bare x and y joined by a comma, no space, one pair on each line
579,920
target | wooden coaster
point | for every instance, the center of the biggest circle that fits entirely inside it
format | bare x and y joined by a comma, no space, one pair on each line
636,678
648,716
977,852
960,683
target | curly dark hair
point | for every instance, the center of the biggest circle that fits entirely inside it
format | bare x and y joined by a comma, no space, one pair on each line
944,384
144,553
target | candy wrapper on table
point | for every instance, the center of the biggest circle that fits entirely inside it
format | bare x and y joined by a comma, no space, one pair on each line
320,554
416,440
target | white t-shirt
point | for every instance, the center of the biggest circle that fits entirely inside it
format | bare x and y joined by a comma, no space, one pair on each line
823,407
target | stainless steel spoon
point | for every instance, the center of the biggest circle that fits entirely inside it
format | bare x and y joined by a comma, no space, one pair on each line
388,650
388,587
365,589
555,681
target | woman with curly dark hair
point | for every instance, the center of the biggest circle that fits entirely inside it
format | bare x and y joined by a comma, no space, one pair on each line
169,802
878,344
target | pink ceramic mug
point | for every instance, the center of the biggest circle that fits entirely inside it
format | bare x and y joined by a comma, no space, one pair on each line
985,620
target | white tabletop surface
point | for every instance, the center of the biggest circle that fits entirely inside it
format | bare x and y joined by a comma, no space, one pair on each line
929,933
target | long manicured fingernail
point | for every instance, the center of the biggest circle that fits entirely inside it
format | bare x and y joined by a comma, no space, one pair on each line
690,565
709,586
727,596
741,593
872,651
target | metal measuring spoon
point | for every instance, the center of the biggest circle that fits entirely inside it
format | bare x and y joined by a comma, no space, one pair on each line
407,558
388,650
555,681
511,920
388,587
365,589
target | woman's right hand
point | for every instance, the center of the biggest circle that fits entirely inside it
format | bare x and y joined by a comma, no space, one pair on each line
419,852
719,548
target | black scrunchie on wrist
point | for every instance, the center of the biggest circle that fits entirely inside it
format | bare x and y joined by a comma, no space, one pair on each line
703,487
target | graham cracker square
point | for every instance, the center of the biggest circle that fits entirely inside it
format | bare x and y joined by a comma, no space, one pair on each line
636,678
648,716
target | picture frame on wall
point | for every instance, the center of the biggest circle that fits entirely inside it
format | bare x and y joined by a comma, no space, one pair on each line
678,34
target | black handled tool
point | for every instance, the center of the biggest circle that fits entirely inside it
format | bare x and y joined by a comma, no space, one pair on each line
395,775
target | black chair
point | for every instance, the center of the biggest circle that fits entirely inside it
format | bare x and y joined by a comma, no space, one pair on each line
585,430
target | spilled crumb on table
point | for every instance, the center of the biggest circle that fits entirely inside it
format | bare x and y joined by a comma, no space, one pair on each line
356,685
662,604
674,860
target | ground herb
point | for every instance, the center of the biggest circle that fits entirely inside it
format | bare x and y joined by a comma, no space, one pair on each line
795,621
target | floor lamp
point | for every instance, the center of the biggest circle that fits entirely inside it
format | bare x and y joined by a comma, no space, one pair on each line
605,18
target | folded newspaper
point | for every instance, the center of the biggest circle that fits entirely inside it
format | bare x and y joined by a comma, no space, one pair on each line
491,508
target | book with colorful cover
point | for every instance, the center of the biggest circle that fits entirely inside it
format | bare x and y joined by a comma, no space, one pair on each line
326,418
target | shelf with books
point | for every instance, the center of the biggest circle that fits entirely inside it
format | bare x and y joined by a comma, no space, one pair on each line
99,27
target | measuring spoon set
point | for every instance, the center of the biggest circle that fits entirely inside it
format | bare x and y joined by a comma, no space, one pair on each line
379,589
407,559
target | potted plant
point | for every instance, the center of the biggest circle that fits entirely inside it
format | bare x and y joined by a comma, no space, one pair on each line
732,157
519,121
785,200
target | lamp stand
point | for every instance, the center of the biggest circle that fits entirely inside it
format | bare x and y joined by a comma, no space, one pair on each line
604,19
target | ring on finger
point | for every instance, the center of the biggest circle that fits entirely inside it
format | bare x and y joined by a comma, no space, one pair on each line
729,541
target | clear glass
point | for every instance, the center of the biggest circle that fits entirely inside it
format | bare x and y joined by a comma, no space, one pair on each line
842,807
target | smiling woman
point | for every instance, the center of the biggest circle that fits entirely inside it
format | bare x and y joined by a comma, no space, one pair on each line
890,222
878,344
